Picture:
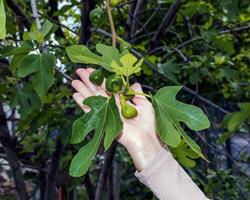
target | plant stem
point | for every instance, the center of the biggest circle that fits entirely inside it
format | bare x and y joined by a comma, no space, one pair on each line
123,80
127,79
143,94
111,22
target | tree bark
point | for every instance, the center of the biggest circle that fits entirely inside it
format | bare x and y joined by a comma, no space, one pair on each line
87,7
89,186
50,192
8,146
128,24
104,173
138,7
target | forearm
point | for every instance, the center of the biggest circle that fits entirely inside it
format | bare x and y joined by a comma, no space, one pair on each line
160,172
167,180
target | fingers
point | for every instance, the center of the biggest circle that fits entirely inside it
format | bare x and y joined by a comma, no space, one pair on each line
79,100
138,99
81,88
84,75
90,69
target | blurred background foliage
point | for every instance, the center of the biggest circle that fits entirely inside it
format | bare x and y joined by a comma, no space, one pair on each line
202,45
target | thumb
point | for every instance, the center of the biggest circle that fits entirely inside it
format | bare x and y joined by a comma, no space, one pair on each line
138,99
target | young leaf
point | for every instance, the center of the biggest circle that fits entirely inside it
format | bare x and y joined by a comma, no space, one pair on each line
191,143
129,65
109,54
103,117
184,154
42,67
82,54
2,20
170,112
34,34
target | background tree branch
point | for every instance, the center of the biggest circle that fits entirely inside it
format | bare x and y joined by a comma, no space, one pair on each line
165,23
8,145
19,13
86,7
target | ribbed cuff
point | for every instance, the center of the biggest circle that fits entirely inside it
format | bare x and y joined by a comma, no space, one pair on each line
153,166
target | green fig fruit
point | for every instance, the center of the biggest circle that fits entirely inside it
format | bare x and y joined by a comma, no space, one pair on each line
114,83
96,77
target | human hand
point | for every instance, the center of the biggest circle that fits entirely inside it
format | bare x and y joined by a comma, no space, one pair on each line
139,134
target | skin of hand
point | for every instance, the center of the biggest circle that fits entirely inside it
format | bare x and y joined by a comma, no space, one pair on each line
139,134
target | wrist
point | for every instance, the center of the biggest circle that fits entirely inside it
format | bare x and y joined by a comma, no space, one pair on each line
143,152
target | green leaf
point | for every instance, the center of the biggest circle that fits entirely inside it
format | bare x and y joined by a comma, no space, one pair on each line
184,154
82,54
28,65
10,50
170,112
42,67
191,143
81,127
103,117
113,123
10,25
35,34
15,62
2,20
224,136
82,160
46,28
233,121
130,65
109,54
169,69
28,100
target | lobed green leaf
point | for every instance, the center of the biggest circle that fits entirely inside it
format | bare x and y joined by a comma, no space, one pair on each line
171,112
82,54
2,21
103,118
42,67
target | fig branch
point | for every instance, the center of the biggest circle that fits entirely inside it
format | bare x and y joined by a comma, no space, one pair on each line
111,22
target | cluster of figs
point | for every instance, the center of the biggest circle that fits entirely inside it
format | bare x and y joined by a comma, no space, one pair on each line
114,84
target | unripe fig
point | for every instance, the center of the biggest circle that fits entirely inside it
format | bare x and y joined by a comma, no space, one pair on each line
96,15
128,111
96,77
114,83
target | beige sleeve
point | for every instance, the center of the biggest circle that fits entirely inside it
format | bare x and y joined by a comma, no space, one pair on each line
167,180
